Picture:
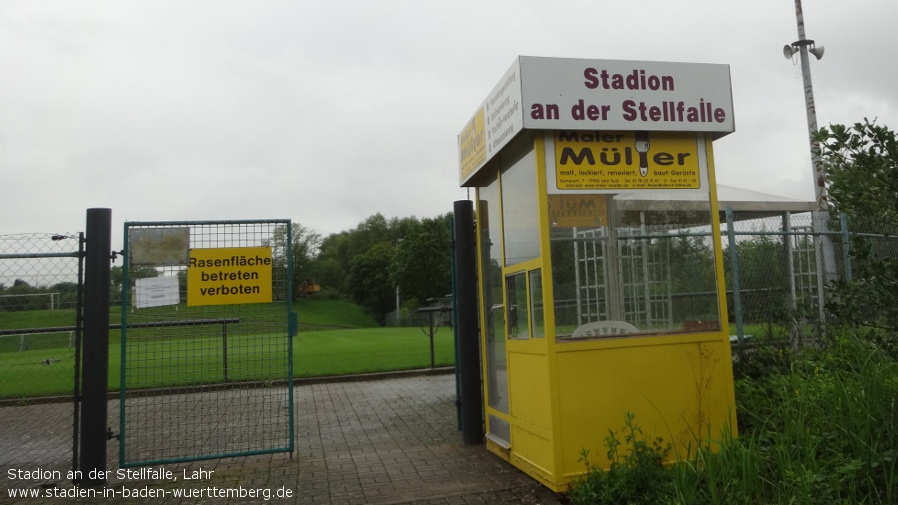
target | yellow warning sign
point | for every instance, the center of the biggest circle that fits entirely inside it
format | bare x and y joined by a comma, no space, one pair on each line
626,160
230,275
582,211
472,145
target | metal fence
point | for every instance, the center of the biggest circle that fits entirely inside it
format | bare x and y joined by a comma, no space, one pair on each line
773,274
771,269
40,277
775,268
206,351
774,271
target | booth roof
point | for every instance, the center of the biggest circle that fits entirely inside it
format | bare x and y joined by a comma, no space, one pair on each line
746,200
742,201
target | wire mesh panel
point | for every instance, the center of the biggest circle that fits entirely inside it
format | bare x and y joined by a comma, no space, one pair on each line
39,285
645,281
778,273
591,259
206,350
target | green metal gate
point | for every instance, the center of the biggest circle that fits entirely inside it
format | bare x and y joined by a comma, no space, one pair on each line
206,340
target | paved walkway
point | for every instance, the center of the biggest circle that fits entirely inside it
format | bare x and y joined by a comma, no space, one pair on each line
389,441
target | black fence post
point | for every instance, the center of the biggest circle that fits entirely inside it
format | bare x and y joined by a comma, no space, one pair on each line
467,321
455,326
95,380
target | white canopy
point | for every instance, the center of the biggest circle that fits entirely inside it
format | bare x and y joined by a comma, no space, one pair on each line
739,199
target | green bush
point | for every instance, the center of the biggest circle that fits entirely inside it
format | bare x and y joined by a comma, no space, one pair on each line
636,475
818,426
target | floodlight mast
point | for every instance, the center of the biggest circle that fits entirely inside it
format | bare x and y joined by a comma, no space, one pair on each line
801,45
825,257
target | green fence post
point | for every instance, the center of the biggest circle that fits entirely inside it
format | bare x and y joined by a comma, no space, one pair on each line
224,351
846,252
734,277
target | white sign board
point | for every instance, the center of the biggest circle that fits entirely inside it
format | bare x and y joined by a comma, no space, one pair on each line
158,247
156,292
494,124
600,96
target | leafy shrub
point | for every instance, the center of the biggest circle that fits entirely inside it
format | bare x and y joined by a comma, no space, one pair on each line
634,477
818,426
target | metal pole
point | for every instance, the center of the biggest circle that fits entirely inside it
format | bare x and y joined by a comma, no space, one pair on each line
455,325
793,299
827,264
95,384
224,350
734,278
79,304
430,321
467,318
846,248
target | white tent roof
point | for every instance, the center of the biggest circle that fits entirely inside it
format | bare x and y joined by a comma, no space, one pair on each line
739,199
746,200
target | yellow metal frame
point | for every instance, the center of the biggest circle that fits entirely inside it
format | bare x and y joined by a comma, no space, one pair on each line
565,397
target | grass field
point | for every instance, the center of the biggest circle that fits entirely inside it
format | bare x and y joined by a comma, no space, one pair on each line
46,366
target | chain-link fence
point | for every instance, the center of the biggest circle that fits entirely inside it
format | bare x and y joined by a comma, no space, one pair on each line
771,270
773,266
39,296
205,348
871,269
779,269
870,238
774,269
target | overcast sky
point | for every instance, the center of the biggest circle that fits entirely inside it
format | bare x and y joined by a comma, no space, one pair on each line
326,112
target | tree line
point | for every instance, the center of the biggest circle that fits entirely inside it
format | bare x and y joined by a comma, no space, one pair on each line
366,264
21,295
370,263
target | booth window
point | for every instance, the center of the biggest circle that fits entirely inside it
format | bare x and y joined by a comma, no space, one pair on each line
637,264
525,305
488,216
518,316
537,323
520,212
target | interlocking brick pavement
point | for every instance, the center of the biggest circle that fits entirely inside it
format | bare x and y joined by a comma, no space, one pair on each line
381,442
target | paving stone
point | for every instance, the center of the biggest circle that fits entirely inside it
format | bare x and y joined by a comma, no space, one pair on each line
379,442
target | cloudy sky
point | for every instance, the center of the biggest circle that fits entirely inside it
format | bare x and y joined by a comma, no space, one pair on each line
326,112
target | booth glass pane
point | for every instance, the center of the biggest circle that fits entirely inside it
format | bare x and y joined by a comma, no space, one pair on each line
518,309
667,273
488,223
520,213
637,264
537,322
500,431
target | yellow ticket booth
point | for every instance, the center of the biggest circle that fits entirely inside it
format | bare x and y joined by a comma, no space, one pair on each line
601,278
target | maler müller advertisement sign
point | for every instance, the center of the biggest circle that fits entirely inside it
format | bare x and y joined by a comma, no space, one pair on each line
619,161
642,118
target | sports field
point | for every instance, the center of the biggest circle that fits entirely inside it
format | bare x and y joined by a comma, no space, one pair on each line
43,365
